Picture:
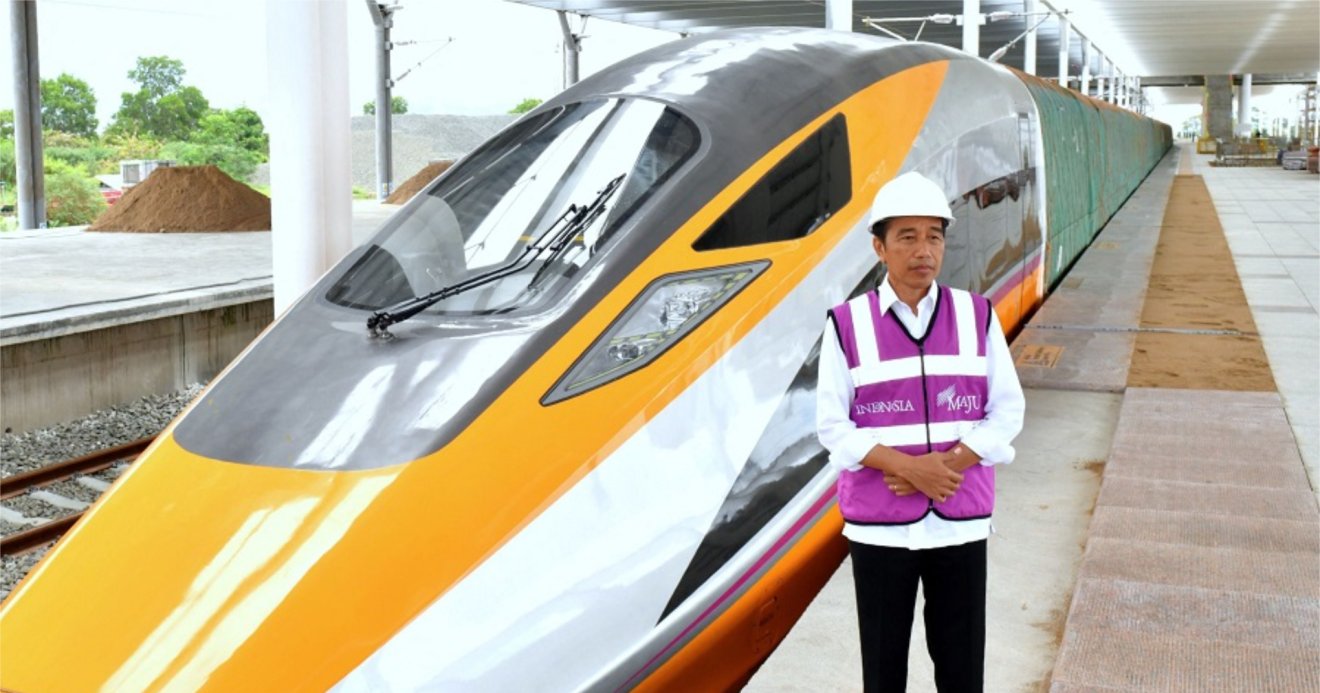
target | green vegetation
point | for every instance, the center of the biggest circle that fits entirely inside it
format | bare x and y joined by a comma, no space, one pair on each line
72,197
524,106
162,107
361,193
398,106
8,167
235,141
68,105
88,154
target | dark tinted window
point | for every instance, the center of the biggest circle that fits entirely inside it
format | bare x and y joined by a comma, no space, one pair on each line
491,208
812,183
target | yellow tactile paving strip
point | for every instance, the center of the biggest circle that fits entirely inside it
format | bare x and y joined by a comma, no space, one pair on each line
1196,327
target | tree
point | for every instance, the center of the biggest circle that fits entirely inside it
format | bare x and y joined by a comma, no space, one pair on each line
68,105
162,107
240,127
398,106
7,124
524,106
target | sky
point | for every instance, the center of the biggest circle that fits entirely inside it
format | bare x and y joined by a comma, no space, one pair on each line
501,52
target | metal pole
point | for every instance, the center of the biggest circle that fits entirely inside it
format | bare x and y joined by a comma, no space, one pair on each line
572,47
27,116
1065,31
1029,48
383,17
971,19
838,15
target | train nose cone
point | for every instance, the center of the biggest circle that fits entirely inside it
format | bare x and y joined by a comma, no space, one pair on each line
195,573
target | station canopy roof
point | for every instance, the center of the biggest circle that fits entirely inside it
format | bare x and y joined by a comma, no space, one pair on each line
1166,42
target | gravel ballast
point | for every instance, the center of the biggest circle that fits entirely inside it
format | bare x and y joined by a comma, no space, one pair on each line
114,426
21,452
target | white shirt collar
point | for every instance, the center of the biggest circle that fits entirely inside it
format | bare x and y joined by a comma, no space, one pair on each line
888,297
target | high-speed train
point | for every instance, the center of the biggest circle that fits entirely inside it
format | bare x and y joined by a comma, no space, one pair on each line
552,428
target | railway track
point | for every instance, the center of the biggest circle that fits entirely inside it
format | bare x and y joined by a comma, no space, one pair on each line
26,500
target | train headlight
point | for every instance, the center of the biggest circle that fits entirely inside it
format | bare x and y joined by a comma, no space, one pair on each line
668,309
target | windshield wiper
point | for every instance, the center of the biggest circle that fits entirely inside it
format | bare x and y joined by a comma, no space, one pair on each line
554,239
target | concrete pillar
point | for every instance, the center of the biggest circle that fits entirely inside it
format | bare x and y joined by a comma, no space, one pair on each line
311,210
1084,84
1218,117
1029,48
839,15
1065,32
572,47
1244,107
971,43
28,157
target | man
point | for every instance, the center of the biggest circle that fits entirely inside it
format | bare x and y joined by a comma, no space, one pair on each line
917,400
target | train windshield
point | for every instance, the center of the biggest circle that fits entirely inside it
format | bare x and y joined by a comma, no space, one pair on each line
486,211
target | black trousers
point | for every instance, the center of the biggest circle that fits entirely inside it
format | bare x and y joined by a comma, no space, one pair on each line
953,582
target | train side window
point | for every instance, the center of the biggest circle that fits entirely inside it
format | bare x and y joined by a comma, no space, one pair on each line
812,183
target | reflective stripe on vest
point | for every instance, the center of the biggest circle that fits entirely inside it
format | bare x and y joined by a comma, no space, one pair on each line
916,396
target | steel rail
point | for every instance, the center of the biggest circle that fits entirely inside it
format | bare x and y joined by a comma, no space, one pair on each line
36,537
14,485
42,534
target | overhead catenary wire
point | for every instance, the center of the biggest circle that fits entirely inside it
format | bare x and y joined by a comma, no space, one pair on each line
995,56
430,55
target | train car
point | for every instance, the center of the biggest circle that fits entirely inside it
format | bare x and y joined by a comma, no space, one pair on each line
552,428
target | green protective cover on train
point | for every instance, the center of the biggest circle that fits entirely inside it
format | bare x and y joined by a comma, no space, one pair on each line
1096,155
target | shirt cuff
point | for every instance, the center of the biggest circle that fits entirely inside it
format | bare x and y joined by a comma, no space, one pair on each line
982,442
850,451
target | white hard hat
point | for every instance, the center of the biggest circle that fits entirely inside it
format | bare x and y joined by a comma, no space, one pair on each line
910,195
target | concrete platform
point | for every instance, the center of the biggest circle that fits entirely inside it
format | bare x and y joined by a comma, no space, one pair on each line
66,280
91,320
1093,315
1200,569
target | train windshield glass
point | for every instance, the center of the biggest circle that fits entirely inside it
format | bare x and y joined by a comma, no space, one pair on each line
486,211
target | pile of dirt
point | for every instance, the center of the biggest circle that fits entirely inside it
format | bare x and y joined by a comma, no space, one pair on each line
419,180
185,199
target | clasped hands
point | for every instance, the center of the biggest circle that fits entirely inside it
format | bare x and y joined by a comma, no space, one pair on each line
931,474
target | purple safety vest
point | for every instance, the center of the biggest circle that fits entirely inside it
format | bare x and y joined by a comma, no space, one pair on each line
916,396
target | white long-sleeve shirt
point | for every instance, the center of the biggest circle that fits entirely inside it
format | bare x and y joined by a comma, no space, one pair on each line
991,438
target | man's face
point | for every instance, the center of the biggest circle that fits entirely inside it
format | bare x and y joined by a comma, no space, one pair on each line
913,250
